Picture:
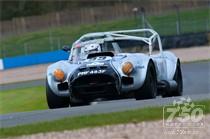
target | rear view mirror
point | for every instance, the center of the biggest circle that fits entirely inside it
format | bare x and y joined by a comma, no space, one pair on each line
66,48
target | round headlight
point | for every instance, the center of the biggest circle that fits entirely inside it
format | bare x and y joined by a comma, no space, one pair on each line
59,75
127,68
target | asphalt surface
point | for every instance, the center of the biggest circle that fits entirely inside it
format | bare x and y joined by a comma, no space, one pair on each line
17,85
196,77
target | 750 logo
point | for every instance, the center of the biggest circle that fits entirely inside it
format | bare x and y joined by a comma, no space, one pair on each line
183,113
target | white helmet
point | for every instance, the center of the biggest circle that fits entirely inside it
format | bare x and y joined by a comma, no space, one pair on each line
92,48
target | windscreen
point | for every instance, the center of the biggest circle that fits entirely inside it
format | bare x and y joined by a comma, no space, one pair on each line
81,52
133,46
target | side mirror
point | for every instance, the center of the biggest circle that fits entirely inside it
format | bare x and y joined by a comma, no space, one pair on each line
66,48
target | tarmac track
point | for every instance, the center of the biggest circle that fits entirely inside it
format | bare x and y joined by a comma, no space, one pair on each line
196,77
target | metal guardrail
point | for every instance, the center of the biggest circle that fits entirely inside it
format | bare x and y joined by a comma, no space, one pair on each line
33,59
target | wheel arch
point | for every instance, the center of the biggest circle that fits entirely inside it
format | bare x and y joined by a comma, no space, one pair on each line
67,68
171,64
146,69
153,64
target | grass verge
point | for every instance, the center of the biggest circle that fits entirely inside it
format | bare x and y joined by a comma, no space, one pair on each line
26,99
139,115
196,61
54,38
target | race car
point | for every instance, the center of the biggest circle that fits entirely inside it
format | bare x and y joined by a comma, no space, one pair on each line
114,65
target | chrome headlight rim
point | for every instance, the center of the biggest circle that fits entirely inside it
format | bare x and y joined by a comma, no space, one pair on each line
127,68
59,75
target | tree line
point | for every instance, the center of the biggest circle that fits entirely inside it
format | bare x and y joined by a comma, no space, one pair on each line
18,8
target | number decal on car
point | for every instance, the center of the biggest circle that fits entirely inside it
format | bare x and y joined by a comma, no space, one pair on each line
91,72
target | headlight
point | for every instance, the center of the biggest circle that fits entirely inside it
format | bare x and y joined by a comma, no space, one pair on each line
127,68
59,75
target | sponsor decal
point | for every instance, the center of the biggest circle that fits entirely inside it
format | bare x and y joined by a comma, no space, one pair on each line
95,64
139,66
91,72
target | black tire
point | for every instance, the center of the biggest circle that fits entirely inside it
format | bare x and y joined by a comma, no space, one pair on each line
178,79
149,88
76,104
55,101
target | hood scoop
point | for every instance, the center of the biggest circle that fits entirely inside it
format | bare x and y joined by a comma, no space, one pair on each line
100,54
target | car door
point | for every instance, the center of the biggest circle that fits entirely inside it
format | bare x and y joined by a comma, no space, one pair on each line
160,62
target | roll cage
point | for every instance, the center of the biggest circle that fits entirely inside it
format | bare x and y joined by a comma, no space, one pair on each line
148,36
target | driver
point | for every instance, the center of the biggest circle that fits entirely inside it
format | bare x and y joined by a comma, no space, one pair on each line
92,48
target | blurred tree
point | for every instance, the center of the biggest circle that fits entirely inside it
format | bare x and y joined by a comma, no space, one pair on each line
17,8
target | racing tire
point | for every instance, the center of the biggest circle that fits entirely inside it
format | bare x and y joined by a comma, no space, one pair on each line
178,79
77,104
149,88
55,101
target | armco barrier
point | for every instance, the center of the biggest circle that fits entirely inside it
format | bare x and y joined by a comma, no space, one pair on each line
177,41
184,40
33,59
1,64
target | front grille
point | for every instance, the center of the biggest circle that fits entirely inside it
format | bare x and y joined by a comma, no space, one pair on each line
94,86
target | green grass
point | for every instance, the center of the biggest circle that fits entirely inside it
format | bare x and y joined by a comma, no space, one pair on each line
197,61
40,41
191,21
139,115
20,100
33,98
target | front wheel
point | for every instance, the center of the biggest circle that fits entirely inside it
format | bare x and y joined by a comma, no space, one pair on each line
76,104
55,101
149,88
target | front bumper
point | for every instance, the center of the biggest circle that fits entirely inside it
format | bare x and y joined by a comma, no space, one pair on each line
93,86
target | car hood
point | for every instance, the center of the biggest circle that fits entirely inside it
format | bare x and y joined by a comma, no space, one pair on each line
102,59
95,66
